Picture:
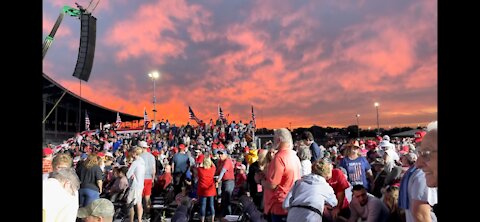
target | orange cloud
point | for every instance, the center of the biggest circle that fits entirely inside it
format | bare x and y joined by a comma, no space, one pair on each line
142,34
283,57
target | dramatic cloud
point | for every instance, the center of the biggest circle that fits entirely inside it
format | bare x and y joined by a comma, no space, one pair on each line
304,63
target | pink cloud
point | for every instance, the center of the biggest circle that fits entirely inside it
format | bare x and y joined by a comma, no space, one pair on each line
141,35
391,53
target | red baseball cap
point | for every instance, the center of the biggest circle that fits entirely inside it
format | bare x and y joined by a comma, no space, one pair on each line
47,151
182,147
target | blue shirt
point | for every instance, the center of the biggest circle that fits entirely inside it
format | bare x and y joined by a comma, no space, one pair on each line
316,153
181,162
356,170
116,145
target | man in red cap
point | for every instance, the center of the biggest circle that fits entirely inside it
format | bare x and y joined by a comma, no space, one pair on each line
150,171
225,174
419,136
179,167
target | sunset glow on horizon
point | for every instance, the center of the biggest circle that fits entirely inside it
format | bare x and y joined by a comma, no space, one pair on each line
300,62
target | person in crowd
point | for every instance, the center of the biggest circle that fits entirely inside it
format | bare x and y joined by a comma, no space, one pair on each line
308,196
240,179
305,156
255,189
60,196
120,183
393,178
315,151
251,157
136,173
264,165
226,176
150,171
206,188
100,210
414,196
180,165
390,198
337,179
283,171
91,177
390,156
366,206
182,213
163,181
428,158
357,167
379,177
61,161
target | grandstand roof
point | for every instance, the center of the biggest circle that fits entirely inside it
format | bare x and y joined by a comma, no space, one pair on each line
52,91
408,133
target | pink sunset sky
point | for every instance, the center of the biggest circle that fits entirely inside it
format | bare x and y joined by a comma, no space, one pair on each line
298,62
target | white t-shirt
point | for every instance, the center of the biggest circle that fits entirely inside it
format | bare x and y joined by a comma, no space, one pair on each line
306,167
58,205
137,170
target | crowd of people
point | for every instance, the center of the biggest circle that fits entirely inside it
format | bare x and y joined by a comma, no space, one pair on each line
215,166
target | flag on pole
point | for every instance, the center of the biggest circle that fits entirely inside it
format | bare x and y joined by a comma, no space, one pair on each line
192,115
145,118
253,118
220,113
87,121
119,121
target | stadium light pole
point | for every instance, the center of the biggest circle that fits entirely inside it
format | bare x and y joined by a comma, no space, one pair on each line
154,75
358,126
378,123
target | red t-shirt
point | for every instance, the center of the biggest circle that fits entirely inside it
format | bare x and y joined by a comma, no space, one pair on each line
339,183
240,179
228,165
164,180
206,183
284,170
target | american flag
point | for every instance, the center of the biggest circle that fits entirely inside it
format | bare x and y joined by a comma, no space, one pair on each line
253,118
220,113
87,121
119,121
192,115
145,118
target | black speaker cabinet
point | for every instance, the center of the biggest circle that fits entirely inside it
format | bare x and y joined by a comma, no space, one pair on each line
86,51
